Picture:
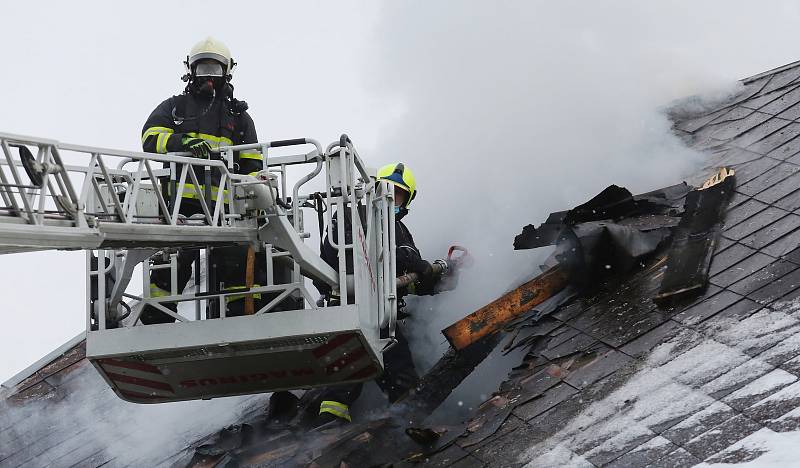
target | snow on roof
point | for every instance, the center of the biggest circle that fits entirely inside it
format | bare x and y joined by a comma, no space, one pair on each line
713,381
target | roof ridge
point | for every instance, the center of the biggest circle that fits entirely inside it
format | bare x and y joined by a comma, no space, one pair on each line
43,362
770,72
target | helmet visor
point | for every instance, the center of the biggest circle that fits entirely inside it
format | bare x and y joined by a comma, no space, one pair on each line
208,68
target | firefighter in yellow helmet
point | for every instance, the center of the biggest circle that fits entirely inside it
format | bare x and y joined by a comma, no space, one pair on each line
205,116
399,375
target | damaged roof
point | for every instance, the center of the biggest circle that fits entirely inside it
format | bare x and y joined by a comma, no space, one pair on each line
610,378
614,380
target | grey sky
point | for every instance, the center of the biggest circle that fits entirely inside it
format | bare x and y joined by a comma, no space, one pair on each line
530,106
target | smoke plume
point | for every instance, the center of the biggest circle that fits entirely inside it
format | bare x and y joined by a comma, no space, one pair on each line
512,110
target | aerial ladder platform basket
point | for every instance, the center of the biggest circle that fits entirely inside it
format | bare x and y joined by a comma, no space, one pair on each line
123,208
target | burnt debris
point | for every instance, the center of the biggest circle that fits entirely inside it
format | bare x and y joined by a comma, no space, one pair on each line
689,258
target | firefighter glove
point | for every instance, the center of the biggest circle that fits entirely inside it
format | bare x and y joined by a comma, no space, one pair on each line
423,269
197,146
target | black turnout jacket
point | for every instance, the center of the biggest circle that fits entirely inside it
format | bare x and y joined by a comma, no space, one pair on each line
183,115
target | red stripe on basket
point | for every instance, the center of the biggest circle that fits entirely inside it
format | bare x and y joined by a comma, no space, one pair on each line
326,348
140,366
140,382
343,361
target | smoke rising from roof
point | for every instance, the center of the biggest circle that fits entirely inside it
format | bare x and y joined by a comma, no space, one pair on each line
512,110
103,427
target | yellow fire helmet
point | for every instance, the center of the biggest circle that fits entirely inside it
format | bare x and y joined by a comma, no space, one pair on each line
401,176
210,48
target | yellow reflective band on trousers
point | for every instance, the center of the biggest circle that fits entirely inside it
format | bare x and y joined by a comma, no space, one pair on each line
237,297
155,291
190,191
340,410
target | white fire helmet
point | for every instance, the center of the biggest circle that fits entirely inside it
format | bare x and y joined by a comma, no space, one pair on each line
210,48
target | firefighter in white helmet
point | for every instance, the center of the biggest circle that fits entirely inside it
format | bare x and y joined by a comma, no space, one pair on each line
203,117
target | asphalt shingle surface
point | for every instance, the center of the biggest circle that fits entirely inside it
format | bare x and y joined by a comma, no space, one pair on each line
678,387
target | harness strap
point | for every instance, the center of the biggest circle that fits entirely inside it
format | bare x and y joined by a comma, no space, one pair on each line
249,308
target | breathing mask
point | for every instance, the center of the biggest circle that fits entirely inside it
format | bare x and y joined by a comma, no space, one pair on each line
208,77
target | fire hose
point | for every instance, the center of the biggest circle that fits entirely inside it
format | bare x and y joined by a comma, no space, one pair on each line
441,267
